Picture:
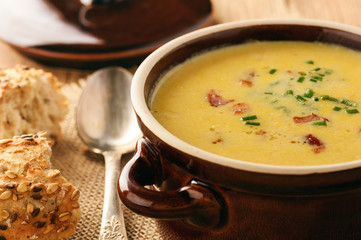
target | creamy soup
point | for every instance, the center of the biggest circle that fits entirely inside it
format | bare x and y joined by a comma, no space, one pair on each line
280,103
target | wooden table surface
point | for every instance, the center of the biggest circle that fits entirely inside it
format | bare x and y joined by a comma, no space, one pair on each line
344,11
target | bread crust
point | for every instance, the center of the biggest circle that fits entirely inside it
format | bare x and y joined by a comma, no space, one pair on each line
36,202
30,101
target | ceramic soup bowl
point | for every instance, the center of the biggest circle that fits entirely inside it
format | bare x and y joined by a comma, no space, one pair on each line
195,194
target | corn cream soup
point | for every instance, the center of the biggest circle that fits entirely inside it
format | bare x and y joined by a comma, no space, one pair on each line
280,103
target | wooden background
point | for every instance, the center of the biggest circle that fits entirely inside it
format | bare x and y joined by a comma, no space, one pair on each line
344,11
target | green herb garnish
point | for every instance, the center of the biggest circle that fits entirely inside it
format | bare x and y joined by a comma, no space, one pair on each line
348,103
322,123
332,99
308,93
252,117
289,92
352,111
268,93
315,99
325,97
272,71
275,83
317,78
336,109
328,72
328,98
253,123
301,79
310,62
301,99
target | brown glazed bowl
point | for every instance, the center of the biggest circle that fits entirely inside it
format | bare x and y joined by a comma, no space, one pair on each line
199,195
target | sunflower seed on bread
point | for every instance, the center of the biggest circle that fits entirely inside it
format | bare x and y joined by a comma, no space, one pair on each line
36,202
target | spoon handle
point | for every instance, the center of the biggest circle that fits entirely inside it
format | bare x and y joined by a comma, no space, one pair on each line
113,226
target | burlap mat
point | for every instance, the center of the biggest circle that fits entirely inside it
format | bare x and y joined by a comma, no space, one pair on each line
85,170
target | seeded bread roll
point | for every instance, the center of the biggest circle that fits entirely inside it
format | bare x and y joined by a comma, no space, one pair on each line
30,101
36,202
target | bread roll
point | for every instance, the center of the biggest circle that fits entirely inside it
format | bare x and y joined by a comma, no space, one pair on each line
30,101
36,202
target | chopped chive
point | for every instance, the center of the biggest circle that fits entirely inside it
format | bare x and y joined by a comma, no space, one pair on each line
352,111
272,71
302,73
332,99
328,72
301,99
317,69
322,123
275,83
336,108
268,93
321,75
315,99
325,97
253,123
317,78
301,79
308,93
289,92
310,62
252,117
348,103
286,110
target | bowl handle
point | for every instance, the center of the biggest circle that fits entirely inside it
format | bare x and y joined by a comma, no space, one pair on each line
196,202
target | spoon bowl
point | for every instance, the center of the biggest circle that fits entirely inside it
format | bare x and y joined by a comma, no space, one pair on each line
105,118
107,124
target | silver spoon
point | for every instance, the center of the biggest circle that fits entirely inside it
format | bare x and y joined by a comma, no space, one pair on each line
107,124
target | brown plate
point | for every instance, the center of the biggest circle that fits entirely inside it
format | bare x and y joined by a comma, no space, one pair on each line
129,30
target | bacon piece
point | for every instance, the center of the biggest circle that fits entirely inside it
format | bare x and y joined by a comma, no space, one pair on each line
319,149
246,83
314,141
309,118
240,108
261,132
217,141
216,100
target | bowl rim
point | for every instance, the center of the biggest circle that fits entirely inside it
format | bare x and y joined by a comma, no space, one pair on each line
143,112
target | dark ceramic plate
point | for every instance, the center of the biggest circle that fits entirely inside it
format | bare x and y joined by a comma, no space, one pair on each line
129,30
